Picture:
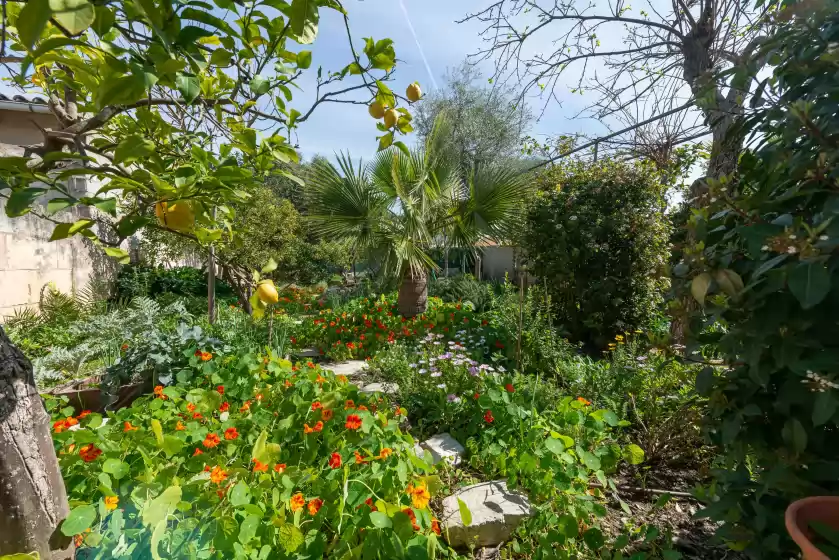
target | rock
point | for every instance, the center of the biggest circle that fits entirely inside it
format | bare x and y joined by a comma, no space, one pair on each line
386,388
496,512
308,353
349,368
444,447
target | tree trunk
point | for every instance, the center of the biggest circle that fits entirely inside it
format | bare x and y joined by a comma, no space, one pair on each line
33,501
413,294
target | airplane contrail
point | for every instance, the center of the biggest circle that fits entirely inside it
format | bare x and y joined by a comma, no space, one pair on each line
419,47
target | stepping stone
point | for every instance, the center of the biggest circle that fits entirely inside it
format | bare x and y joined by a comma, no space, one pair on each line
348,368
444,447
386,388
496,512
308,353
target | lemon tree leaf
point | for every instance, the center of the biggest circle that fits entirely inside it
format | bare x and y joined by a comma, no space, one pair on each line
31,20
73,15
699,287
304,20
133,148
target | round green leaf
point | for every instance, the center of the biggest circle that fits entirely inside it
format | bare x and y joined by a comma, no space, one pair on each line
79,520
116,468
380,520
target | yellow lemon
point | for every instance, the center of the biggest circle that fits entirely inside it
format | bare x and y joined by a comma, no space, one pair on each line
376,110
266,292
413,93
177,216
391,116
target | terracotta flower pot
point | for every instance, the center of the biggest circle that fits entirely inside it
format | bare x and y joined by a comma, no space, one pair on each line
799,515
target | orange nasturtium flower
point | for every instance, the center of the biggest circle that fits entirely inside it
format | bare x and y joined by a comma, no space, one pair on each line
359,460
179,427
259,466
111,502
326,414
349,404
362,407
315,505
584,401
246,406
190,407
231,433
84,413
385,453
211,440
316,406
280,467
297,502
127,427
89,452
158,392
413,516
353,422
218,475
335,460
197,452
225,406
419,494
435,526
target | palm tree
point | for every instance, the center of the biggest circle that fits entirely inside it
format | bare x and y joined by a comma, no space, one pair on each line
405,203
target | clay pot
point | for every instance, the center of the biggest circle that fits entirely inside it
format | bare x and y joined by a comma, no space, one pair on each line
91,398
799,515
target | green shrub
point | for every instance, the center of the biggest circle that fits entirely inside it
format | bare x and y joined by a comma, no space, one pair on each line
765,266
139,280
598,236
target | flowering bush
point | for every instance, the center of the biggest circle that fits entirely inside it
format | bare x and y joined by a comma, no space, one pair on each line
363,326
246,457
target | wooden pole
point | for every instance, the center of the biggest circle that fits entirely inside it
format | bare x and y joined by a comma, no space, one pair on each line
521,319
211,281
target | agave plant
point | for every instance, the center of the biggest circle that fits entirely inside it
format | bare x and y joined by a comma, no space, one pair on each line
404,204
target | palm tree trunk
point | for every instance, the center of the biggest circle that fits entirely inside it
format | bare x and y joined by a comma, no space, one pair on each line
413,294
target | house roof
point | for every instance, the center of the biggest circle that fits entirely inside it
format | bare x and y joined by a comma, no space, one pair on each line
23,99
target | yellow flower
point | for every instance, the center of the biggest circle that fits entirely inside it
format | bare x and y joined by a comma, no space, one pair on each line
111,502
420,495
619,337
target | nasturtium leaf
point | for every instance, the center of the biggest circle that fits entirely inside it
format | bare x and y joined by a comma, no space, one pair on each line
248,528
156,536
290,537
73,15
157,430
593,538
31,20
117,468
568,526
79,520
172,445
158,509
554,445
380,520
633,454
590,460
809,282
240,494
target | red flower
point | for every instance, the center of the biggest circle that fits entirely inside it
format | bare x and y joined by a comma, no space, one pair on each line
477,396
220,389
225,406
310,365
362,407
488,418
89,452
231,433
335,460
359,460
351,345
349,404
435,526
246,406
127,427
84,413
211,441
316,405
197,452
353,422
314,506
280,467
318,426
369,503
410,513
259,466
326,414
509,387
498,344
196,416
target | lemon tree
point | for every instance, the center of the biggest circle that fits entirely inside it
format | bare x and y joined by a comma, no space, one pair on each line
172,109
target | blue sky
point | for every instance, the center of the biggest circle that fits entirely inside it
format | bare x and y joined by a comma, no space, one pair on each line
341,127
